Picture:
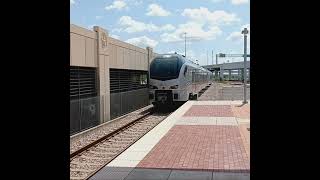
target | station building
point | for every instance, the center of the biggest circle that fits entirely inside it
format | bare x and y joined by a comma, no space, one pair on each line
108,77
229,71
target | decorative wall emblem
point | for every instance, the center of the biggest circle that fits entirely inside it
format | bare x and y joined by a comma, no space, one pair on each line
104,40
92,109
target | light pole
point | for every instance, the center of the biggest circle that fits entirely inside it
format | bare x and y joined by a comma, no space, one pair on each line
216,59
185,44
212,56
245,32
207,58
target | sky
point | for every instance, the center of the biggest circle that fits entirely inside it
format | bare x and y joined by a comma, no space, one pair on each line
210,25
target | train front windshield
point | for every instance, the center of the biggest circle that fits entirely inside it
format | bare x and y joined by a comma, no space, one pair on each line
165,68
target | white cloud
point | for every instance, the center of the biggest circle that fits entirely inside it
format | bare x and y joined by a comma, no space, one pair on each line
237,36
203,58
98,17
117,4
194,32
203,15
190,53
237,2
91,26
156,10
234,2
202,25
216,1
136,2
142,41
193,56
171,52
130,25
114,36
72,2
116,30
167,27
246,26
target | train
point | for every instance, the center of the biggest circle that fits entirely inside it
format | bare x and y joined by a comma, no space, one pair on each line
174,79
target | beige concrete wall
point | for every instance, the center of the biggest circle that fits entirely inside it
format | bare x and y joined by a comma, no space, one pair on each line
96,49
103,69
126,56
83,47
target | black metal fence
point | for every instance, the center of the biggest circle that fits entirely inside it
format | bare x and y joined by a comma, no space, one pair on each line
84,114
83,82
128,91
123,80
124,102
84,102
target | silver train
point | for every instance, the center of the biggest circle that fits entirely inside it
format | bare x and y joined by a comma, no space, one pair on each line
175,79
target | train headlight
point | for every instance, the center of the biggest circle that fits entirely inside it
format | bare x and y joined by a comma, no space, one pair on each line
174,87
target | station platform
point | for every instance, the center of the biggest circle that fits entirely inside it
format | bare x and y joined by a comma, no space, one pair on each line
200,140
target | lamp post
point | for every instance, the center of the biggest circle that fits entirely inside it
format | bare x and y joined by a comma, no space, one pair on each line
216,59
212,56
207,58
245,32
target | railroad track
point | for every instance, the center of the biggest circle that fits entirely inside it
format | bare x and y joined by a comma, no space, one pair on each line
84,138
87,160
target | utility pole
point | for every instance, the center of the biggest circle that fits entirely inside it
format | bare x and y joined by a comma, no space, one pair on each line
185,44
216,59
207,58
212,57
245,32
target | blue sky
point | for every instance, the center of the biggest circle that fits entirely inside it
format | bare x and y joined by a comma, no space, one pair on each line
210,24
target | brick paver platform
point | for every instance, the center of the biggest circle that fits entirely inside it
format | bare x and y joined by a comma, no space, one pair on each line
197,147
245,135
241,111
210,111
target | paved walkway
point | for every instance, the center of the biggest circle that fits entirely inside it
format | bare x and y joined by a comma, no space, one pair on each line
193,147
200,140
220,91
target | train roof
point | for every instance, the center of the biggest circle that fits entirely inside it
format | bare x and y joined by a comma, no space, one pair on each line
181,57
174,55
168,55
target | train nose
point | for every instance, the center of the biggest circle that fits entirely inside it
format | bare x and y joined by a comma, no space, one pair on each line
163,99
